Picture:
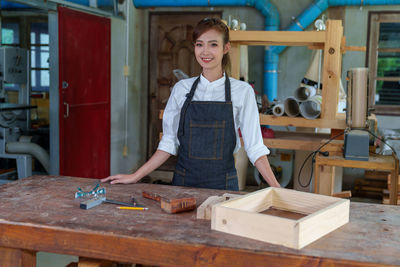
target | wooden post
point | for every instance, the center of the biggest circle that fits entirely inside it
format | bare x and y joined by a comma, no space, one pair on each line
331,69
235,60
394,181
10,257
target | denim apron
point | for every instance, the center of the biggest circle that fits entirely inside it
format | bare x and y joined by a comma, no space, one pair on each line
207,140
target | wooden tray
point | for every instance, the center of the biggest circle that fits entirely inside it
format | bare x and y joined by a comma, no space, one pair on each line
248,216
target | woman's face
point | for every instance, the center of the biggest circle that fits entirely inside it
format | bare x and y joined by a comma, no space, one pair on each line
209,50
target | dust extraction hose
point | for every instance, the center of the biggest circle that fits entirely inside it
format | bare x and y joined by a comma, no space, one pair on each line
30,148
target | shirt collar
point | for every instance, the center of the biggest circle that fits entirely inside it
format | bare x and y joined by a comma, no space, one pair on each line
205,82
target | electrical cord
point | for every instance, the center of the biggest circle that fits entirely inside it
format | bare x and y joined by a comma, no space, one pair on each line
312,155
326,153
380,139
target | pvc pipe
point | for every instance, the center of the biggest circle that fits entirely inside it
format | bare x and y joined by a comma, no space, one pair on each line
30,148
311,109
292,108
303,93
278,109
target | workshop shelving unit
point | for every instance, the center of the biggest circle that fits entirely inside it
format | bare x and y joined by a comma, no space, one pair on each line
332,42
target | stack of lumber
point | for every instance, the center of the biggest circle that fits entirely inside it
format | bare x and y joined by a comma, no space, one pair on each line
386,191
371,185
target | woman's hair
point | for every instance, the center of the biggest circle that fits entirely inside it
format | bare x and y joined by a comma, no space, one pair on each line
216,24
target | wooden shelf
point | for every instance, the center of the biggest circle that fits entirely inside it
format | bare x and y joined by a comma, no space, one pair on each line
302,141
291,38
330,41
338,123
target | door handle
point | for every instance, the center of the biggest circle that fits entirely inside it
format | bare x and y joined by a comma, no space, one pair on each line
64,85
66,114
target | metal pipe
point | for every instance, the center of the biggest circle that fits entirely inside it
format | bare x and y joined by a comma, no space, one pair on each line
32,149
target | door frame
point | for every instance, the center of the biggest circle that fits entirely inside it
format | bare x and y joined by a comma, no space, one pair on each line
54,95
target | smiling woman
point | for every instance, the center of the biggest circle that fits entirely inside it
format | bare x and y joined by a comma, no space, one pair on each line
202,119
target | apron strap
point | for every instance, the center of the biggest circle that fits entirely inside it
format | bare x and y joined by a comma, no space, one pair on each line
189,98
227,89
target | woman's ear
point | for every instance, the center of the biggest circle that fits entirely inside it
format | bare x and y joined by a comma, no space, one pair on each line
227,47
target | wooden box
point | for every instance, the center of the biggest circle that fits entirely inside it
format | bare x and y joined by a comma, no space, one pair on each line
249,216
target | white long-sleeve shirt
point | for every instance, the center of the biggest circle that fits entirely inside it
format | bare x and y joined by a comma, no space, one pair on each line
245,113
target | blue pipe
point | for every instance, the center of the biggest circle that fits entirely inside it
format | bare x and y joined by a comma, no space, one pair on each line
271,23
309,15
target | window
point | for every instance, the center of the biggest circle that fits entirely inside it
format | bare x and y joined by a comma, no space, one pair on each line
10,37
40,74
384,61
10,34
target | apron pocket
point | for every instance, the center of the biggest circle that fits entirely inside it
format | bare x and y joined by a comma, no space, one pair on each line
206,140
232,181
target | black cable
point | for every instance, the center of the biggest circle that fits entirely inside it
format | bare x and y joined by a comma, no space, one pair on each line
313,154
371,133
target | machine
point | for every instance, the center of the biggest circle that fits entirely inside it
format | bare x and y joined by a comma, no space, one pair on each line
356,140
15,117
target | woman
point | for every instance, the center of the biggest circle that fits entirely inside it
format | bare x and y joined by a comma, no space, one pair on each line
201,121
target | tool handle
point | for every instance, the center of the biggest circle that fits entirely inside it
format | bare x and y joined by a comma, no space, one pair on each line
153,196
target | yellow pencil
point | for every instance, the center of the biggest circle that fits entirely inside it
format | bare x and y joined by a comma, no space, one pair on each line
132,208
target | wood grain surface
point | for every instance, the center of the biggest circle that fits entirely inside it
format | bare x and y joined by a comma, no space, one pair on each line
40,214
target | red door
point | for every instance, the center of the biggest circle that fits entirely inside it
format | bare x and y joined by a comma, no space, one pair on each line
84,54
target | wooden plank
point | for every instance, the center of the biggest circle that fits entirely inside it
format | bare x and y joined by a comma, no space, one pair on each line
394,181
326,180
336,123
239,217
343,194
375,162
293,38
11,257
234,55
323,222
204,210
331,70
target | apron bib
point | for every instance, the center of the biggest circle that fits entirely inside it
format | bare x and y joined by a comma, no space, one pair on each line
207,140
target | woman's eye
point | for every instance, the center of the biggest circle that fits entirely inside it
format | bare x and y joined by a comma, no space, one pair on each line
214,45
198,45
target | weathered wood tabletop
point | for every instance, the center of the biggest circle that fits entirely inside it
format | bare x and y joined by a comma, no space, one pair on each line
40,214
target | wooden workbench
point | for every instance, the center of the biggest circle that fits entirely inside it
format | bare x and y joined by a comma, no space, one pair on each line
40,214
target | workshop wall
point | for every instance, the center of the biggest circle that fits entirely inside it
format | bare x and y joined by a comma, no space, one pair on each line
125,159
293,64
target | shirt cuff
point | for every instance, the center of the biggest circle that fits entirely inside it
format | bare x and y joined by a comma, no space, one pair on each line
255,152
168,146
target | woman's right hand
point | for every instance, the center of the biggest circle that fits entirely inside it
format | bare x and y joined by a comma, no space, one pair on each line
120,179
